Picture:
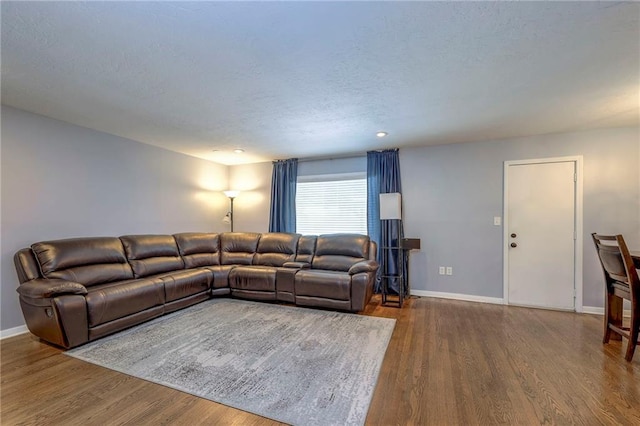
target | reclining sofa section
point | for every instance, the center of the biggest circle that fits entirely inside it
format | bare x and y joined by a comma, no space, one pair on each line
77,290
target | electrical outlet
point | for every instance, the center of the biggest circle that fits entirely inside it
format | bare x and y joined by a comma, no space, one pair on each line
441,270
449,270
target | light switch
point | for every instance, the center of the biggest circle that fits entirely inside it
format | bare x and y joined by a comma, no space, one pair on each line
441,270
449,270
497,220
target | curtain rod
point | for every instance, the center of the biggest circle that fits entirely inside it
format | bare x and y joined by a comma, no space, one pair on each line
332,157
337,157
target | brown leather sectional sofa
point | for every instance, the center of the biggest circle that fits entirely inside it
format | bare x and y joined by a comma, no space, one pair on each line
77,290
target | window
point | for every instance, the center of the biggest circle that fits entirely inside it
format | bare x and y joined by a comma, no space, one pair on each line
328,204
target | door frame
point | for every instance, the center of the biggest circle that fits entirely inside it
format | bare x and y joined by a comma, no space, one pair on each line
578,237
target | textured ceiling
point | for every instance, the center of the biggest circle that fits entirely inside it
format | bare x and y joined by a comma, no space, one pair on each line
308,79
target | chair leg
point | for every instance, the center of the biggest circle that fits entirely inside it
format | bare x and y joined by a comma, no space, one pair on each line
607,317
615,315
633,335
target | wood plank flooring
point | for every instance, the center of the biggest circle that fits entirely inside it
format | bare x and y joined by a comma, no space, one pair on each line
448,363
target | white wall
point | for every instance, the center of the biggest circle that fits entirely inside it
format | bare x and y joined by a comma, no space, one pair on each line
452,193
61,181
251,207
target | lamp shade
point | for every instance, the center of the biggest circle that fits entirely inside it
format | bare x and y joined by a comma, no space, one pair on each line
231,194
390,206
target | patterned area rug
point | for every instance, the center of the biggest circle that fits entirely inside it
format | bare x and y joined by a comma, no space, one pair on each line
295,365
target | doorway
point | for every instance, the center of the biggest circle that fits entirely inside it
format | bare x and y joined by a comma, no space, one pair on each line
543,233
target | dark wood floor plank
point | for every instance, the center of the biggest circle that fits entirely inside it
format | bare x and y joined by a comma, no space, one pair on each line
449,362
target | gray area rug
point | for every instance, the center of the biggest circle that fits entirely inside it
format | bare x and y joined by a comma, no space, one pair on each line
295,365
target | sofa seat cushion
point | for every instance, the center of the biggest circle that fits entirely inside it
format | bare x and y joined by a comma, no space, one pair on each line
257,278
185,283
107,302
220,275
320,283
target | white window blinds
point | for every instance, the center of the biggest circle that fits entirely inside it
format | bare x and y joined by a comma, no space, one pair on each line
328,204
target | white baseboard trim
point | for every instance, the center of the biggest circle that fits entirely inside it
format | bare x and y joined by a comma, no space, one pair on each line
600,311
458,296
10,332
595,310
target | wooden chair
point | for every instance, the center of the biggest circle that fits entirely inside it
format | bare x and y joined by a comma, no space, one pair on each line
621,279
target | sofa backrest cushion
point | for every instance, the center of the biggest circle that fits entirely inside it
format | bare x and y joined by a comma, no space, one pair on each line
199,248
306,248
238,248
340,251
276,248
87,261
152,254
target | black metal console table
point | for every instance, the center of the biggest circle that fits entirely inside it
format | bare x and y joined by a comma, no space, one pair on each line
406,245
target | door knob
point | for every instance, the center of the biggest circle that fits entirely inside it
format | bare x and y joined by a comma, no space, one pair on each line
513,235
514,245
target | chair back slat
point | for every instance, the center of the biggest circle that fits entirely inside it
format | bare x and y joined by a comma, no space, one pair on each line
613,262
616,261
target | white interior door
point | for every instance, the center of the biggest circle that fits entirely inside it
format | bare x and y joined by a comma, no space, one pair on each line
541,232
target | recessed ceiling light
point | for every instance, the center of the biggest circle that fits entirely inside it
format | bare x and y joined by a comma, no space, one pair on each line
381,134
238,150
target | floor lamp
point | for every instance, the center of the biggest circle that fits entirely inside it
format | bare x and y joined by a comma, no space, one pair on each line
391,209
228,218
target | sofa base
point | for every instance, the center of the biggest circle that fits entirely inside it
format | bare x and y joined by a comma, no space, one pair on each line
254,295
126,322
286,297
186,301
220,291
320,302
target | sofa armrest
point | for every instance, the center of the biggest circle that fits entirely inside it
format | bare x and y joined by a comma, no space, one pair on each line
363,266
45,288
297,265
